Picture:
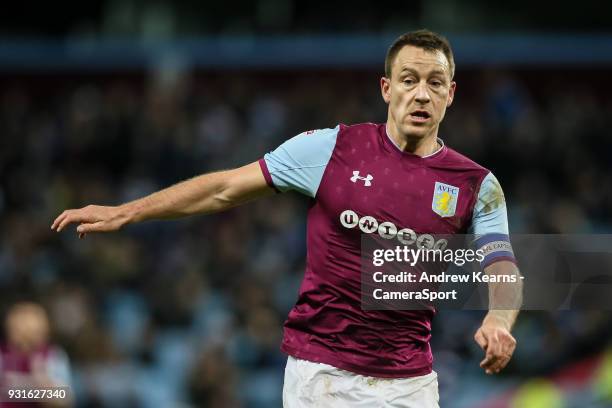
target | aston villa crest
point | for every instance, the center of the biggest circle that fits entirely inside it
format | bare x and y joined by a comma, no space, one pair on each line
445,199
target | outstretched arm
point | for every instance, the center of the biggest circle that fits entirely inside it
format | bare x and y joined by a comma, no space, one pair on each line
505,299
204,194
490,226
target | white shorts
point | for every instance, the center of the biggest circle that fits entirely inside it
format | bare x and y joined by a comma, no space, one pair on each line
316,385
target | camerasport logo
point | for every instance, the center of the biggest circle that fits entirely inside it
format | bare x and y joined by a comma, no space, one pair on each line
388,230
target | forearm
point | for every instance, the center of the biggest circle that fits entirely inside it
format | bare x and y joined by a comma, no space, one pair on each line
505,298
201,194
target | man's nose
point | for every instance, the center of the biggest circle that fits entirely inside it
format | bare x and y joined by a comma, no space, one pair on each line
422,94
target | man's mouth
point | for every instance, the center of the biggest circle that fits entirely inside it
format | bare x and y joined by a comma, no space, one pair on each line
420,116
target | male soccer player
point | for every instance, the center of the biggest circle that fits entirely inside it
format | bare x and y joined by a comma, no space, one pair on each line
396,178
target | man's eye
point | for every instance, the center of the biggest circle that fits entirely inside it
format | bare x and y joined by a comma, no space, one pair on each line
436,83
409,81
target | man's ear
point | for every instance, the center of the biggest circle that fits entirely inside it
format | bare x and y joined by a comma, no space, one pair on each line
385,89
451,93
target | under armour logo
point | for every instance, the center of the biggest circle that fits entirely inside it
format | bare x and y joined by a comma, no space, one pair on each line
367,180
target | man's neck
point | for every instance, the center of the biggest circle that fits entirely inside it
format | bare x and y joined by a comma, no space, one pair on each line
423,146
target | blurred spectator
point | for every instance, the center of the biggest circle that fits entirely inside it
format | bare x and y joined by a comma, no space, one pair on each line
213,381
28,360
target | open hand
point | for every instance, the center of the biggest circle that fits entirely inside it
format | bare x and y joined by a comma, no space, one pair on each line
93,218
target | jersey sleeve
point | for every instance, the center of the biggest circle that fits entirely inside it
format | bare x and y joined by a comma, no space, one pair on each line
490,223
299,163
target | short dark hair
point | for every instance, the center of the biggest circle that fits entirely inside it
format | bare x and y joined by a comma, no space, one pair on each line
425,39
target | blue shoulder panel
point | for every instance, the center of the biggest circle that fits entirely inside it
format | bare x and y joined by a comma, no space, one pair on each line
299,163
490,215
490,223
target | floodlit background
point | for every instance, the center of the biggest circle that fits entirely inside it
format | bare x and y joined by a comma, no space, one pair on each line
110,100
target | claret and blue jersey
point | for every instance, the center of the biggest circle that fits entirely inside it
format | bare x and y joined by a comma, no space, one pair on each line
361,182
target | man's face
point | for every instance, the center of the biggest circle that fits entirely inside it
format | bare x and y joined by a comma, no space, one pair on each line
418,92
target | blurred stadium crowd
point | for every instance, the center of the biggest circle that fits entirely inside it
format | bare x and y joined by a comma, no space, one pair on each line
190,312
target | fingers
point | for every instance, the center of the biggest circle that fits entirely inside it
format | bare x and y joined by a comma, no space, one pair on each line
82,235
492,356
68,217
509,344
499,351
491,352
85,216
499,346
495,364
92,218
58,220
481,339
91,227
